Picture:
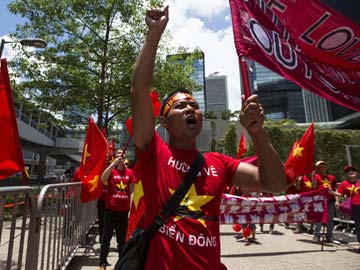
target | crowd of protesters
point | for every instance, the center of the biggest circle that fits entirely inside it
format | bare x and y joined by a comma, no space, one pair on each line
337,193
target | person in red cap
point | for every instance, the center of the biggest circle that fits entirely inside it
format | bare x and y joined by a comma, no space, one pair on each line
327,181
350,187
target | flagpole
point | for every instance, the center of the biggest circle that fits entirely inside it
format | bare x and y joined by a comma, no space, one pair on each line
244,77
126,146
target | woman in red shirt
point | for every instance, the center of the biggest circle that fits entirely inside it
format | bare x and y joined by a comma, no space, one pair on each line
351,187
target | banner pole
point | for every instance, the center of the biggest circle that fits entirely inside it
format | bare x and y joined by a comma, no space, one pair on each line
244,77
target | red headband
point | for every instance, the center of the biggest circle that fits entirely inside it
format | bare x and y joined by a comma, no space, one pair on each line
173,99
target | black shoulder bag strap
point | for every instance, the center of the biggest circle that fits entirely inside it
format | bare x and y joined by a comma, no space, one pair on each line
176,198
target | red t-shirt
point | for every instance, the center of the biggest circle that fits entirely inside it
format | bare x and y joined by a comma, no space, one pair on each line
350,189
191,238
118,195
305,184
325,182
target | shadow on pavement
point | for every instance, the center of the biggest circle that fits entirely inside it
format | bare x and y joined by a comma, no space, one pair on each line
273,253
309,241
80,261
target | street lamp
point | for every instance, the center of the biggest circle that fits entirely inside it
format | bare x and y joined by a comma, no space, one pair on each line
36,42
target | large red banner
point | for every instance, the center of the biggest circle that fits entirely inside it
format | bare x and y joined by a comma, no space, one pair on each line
307,43
292,208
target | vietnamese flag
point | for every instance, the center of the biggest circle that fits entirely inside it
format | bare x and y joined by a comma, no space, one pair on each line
11,159
242,147
91,184
92,162
94,145
301,158
137,204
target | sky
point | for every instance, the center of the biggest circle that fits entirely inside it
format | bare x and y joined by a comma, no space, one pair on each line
192,23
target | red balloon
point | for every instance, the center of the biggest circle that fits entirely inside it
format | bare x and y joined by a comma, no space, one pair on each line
236,227
247,231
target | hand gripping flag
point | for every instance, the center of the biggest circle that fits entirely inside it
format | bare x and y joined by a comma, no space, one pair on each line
304,41
11,159
92,161
301,158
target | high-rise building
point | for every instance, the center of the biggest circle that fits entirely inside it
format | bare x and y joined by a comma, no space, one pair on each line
216,94
198,75
279,97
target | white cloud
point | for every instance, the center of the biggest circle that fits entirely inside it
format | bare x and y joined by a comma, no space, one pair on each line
218,46
203,8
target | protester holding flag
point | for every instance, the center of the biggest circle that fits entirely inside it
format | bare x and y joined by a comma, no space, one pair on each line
325,181
351,188
117,204
190,239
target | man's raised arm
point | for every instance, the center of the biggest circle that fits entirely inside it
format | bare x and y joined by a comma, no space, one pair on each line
141,106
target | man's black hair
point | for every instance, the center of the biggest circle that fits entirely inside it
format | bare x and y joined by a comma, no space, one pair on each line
168,96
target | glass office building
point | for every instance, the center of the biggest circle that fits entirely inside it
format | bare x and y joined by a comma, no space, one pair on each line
216,94
198,75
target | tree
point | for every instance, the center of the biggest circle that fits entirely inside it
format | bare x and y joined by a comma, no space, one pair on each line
230,140
86,68
210,115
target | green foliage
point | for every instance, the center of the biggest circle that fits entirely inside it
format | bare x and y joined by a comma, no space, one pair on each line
87,66
230,140
210,115
174,71
225,115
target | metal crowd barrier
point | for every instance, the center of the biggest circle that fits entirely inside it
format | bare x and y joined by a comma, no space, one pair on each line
49,231
17,227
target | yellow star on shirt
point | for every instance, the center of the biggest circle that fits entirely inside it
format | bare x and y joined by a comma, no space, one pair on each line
350,189
326,183
308,184
121,186
94,183
353,189
298,150
138,193
193,202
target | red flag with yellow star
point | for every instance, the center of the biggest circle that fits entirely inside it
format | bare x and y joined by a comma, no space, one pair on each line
94,145
137,203
242,147
91,186
301,158
92,161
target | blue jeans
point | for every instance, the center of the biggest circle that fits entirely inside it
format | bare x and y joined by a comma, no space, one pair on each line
330,221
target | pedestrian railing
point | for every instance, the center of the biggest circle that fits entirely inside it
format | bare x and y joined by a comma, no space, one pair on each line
46,234
17,227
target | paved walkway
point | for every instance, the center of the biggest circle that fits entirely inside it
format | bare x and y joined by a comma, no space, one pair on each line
281,250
